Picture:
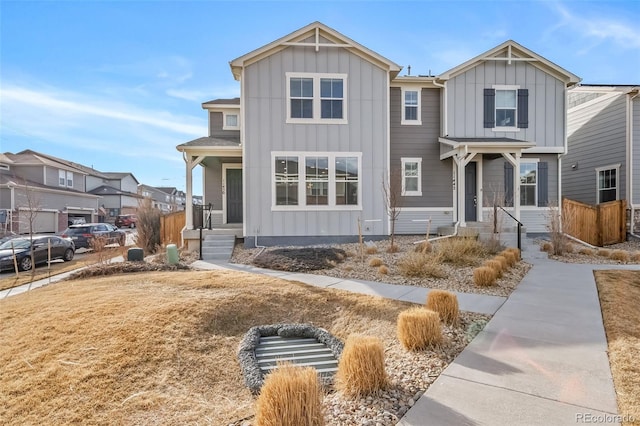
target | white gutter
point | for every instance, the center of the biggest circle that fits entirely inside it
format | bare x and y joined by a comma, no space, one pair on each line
455,233
630,160
388,106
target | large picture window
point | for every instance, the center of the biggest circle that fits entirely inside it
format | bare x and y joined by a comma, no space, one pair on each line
316,98
607,183
326,181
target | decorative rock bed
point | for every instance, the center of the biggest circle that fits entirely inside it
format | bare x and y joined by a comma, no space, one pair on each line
253,375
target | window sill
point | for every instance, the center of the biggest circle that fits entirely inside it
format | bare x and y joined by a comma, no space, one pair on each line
505,129
316,121
411,123
313,208
412,194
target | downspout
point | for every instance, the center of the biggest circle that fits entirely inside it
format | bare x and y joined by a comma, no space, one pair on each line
630,160
455,233
388,105
444,129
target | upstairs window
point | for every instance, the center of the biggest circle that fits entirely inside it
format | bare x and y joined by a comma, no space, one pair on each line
506,108
316,98
65,178
411,113
231,121
607,183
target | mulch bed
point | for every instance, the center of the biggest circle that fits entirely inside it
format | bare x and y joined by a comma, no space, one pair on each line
300,259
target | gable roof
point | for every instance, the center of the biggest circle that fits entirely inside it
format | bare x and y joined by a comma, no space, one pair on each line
30,157
512,51
318,31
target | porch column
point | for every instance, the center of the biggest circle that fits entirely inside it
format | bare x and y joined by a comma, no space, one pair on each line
516,185
190,163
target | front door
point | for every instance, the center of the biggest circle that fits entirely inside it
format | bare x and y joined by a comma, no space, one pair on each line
470,193
234,195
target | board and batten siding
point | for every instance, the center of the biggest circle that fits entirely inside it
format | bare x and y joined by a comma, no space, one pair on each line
421,141
266,131
465,102
597,138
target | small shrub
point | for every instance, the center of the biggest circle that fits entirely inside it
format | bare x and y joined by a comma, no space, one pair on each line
484,276
371,250
460,251
620,256
376,261
604,252
424,247
421,265
361,367
516,253
568,248
586,251
347,268
503,262
419,329
510,257
547,247
383,270
148,224
635,256
445,303
291,396
393,248
496,265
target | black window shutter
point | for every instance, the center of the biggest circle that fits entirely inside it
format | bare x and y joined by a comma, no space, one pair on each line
543,184
523,108
508,184
489,108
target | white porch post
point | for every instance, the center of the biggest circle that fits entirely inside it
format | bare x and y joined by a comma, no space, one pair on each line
516,185
190,162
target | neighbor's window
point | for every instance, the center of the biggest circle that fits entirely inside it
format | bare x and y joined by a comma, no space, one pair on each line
316,181
411,176
528,184
231,121
411,107
316,98
607,184
287,180
62,178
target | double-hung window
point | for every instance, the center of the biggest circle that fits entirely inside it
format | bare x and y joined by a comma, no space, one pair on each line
528,183
412,176
316,181
316,98
411,111
506,108
65,178
607,183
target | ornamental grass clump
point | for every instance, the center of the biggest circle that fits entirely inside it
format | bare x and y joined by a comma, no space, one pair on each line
496,266
516,253
510,257
445,303
383,270
421,265
376,261
419,328
484,276
361,368
620,255
503,261
290,396
423,247
461,251
635,256
587,251
604,252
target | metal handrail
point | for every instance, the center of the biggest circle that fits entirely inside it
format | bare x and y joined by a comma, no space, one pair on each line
495,223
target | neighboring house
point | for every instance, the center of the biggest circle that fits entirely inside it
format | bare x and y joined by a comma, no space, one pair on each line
177,198
160,199
321,121
603,162
119,192
32,182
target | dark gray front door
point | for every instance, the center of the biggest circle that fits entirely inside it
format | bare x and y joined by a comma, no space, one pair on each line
234,195
470,193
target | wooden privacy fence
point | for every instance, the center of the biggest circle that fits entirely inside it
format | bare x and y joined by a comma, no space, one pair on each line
598,225
171,227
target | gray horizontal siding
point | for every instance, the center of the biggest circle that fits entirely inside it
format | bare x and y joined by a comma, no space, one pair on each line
216,124
546,102
597,138
636,150
213,179
422,142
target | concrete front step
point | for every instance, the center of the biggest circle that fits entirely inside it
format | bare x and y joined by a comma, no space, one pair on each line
218,247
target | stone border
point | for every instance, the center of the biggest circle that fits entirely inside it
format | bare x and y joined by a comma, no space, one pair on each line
253,377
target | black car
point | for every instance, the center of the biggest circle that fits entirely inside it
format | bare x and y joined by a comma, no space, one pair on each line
83,235
61,248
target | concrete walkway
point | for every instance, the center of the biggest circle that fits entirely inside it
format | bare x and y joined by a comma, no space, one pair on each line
541,360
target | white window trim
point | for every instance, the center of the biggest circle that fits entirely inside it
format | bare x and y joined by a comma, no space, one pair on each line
417,193
515,127
62,177
69,179
530,161
404,121
302,179
615,167
316,98
224,120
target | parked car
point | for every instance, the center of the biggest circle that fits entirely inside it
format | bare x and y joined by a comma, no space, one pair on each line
61,248
83,235
126,221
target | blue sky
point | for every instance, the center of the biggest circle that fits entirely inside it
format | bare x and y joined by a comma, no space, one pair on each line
118,84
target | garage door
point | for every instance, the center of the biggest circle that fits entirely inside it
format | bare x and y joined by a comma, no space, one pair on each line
43,222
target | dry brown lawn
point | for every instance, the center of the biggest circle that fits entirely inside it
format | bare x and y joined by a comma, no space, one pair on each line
619,293
155,348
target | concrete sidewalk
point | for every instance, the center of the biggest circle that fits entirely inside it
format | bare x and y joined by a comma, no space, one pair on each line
541,360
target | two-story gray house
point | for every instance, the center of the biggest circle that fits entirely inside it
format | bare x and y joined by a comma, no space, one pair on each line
321,121
603,162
